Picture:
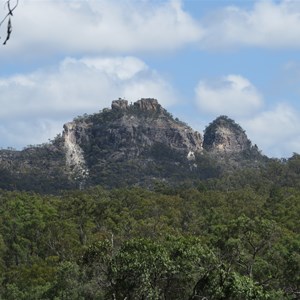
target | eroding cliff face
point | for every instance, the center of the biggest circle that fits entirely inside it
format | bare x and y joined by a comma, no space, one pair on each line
148,104
75,161
128,144
128,140
223,135
145,123
119,104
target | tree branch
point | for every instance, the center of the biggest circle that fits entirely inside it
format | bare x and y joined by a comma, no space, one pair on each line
9,15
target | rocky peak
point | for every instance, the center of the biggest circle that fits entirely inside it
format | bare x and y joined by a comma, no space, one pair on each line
119,104
144,104
149,104
138,136
128,144
129,131
223,135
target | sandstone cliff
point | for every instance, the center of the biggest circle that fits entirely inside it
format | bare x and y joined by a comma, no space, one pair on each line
137,134
129,131
128,144
223,135
227,143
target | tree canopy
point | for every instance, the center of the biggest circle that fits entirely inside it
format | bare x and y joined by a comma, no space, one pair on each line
221,240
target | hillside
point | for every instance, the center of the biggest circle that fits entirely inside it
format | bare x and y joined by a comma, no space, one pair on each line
147,208
129,144
230,238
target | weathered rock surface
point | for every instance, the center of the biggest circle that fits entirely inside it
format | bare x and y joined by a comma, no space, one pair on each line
128,144
119,104
75,162
130,131
148,104
138,134
223,135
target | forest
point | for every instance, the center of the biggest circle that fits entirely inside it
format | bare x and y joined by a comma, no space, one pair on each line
233,237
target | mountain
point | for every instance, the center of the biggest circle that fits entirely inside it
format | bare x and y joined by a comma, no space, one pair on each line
227,142
128,144
223,135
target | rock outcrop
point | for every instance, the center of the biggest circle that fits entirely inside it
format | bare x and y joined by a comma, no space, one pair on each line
75,162
119,104
128,144
223,135
148,104
130,131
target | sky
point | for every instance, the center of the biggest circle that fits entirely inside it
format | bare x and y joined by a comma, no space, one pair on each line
199,58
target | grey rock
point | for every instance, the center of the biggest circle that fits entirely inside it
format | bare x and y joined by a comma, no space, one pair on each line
223,135
119,104
128,144
148,104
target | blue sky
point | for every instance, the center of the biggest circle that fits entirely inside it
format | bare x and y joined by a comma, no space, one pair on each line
199,58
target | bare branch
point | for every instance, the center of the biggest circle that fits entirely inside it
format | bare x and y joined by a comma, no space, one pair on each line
9,30
9,15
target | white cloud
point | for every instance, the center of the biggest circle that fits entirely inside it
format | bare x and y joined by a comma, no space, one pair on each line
23,132
99,26
43,28
268,24
46,98
275,131
231,95
121,67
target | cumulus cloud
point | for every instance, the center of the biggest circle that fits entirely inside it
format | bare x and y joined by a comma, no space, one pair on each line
275,131
31,131
267,24
100,26
231,95
46,98
42,28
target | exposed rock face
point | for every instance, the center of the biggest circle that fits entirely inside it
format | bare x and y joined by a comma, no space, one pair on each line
75,161
148,104
135,137
223,135
119,104
134,144
130,131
